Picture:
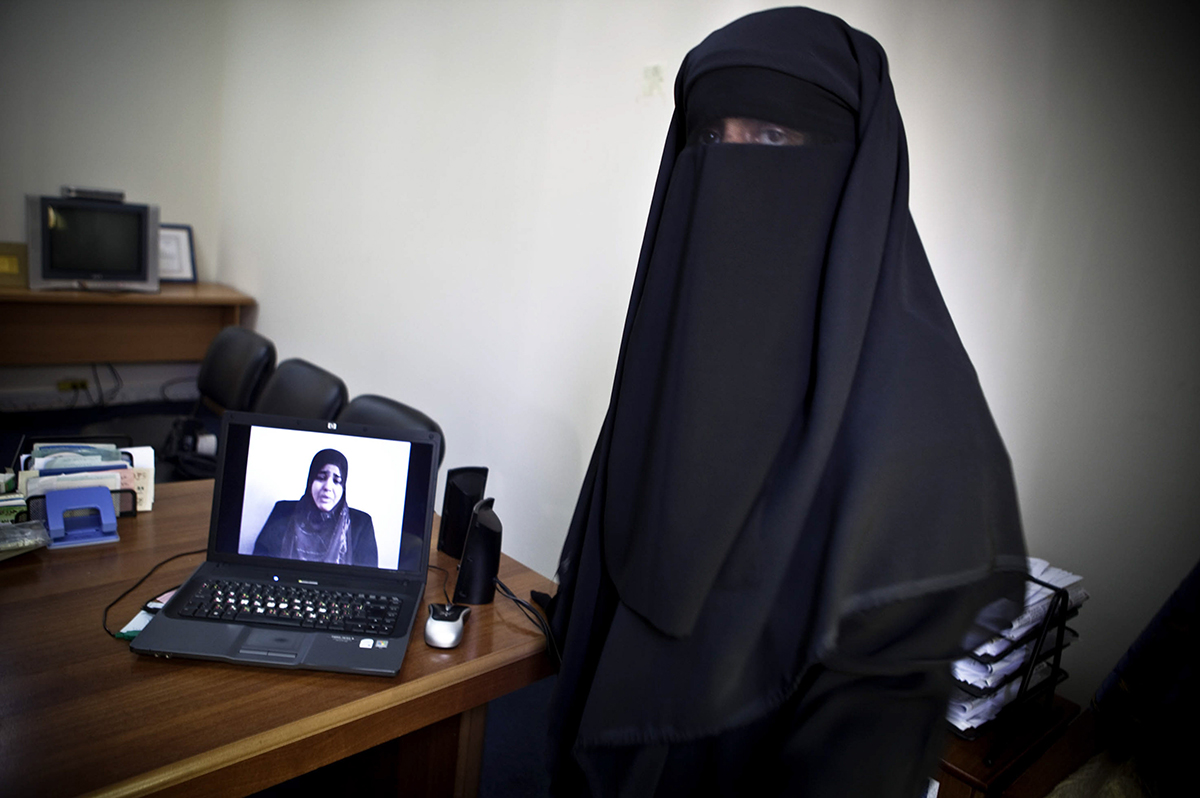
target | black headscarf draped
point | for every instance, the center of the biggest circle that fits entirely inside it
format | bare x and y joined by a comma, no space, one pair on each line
314,534
797,467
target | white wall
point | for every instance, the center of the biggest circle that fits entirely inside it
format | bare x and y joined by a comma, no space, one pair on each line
123,95
443,203
1054,169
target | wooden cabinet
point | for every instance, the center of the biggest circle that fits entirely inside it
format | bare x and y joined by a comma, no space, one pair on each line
39,328
993,764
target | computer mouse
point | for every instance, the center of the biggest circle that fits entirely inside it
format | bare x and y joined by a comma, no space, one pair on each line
444,629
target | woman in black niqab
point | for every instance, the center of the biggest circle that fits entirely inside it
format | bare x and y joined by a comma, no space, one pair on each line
799,502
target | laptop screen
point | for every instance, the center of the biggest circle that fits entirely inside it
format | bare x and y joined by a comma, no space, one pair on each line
324,493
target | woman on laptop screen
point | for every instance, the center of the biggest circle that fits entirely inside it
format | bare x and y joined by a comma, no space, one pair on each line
320,527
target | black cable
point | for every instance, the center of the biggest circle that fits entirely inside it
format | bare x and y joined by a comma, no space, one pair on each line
525,607
87,392
99,390
117,377
104,617
445,581
533,615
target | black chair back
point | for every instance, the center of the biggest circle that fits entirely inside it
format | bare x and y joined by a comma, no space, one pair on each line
298,388
383,412
235,368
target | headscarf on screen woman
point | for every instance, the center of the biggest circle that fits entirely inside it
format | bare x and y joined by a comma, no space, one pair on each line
799,502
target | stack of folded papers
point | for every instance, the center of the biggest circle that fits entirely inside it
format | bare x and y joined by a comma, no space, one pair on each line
987,675
969,712
22,537
11,505
990,677
58,466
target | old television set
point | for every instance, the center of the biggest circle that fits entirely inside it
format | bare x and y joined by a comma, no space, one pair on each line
91,240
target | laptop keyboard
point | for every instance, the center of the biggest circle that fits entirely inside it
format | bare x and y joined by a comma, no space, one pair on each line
298,607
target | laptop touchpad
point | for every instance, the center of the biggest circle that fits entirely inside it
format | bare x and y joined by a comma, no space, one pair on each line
273,643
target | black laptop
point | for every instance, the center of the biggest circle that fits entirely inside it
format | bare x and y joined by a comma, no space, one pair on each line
317,549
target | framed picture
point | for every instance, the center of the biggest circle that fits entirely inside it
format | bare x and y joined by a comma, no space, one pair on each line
176,254
14,271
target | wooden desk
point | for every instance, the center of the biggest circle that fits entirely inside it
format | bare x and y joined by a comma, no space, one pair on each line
80,713
63,327
991,763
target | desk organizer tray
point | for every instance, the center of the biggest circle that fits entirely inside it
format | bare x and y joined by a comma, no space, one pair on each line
124,505
1042,670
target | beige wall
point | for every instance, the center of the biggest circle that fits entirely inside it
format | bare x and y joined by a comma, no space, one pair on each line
122,95
443,202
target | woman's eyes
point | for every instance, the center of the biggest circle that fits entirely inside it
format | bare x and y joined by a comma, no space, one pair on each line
772,135
742,130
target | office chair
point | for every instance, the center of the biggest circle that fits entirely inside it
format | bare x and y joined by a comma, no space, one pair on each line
383,412
298,388
232,374
235,368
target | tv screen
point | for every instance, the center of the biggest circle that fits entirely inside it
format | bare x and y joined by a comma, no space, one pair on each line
85,243
92,244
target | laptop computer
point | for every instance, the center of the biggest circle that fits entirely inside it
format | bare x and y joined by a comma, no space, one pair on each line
318,547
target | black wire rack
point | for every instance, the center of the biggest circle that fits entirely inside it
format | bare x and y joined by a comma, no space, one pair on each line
1045,643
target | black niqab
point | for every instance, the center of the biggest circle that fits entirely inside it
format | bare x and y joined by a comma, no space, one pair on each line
798,480
764,94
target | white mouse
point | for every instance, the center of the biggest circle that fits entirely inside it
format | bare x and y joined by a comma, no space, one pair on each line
444,629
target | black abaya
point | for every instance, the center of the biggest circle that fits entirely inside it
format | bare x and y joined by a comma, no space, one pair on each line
798,502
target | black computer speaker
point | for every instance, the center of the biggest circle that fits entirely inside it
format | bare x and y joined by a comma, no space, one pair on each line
481,557
464,489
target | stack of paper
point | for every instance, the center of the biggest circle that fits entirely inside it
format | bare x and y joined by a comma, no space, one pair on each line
22,537
55,466
990,677
11,505
969,712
